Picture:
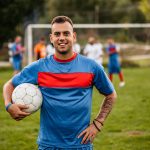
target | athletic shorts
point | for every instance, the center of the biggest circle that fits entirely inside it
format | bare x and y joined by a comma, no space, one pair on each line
88,147
17,64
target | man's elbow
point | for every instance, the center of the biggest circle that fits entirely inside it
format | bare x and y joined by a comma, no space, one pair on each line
7,84
114,96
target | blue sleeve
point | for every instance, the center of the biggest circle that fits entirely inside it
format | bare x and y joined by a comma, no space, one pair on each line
101,81
13,48
28,75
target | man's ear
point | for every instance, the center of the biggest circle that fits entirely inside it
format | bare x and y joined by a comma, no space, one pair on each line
74,36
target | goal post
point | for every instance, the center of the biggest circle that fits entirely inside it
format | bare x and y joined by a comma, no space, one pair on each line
31,27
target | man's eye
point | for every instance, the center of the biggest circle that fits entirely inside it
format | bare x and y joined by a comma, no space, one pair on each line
56,34
66,33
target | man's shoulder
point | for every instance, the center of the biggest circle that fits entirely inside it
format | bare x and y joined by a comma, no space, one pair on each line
13,45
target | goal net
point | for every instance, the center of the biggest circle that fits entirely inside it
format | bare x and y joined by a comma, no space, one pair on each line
133,38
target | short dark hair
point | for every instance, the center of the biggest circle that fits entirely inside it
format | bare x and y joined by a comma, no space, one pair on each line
62,19
42,38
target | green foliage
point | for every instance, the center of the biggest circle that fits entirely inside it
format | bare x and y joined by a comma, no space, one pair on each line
16,14
97,11
127,127
13,14
145,8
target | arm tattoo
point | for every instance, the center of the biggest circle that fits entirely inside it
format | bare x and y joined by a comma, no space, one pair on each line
106,108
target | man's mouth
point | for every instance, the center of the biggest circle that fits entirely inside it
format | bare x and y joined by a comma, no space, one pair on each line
62,44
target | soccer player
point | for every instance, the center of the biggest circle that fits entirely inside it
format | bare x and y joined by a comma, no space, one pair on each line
93,50
76,47
50,49
114,64
66,80
40,49
17,54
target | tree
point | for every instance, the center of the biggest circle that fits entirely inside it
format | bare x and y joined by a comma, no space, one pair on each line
13,14
144,6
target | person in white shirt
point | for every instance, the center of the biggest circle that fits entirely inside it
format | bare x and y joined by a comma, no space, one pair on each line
93,50
76,47
50,50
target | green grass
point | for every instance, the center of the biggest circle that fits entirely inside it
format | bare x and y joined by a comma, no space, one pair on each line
127,127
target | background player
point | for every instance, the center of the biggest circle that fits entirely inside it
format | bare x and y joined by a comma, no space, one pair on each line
114,63
40,49
76,47
93,50
17,54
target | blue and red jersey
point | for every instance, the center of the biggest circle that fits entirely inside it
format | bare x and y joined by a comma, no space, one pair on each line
114,64
16,56
16,47
67,88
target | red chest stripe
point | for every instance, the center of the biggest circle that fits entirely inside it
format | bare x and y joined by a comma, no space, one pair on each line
65,80
112,49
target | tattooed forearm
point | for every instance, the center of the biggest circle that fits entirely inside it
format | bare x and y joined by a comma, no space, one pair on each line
106,107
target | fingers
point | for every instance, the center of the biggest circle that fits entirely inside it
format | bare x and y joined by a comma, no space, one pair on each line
92,138
88,134
24,113
82,133
21,115
18,119
85,138
23,106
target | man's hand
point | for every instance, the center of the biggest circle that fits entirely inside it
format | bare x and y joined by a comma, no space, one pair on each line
16,111
23,49
89,134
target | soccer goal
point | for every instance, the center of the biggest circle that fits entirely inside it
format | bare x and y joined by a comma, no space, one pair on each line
133,38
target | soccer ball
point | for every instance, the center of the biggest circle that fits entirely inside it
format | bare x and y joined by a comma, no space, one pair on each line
27,94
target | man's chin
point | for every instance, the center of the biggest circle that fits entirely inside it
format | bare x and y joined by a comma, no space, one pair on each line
63,51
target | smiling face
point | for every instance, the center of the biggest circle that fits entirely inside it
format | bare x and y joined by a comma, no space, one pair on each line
62,37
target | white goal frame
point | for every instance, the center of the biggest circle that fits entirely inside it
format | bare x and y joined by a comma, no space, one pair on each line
30,27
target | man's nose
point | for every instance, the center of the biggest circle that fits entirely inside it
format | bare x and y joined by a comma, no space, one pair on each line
62,37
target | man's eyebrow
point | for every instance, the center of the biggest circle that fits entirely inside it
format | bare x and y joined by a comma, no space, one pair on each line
56,32
66,31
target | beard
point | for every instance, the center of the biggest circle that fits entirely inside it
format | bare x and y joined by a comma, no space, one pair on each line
63,52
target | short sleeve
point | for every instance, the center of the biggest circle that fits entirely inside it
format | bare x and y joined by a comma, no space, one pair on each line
13,48
101,81
28,75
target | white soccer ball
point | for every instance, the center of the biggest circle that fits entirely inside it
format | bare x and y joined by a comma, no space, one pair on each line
28,94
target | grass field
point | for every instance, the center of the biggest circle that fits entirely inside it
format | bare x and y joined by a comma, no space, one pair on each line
127,128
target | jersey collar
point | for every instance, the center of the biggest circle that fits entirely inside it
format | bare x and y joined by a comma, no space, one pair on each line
67,60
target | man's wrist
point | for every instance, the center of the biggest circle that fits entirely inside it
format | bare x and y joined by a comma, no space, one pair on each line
7,106
99,121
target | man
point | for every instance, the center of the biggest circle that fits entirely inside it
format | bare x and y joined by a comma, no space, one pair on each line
76,47
17,54
40,49
66,81
50,49
114,64
93,50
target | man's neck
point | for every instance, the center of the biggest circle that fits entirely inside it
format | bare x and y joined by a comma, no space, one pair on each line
64,56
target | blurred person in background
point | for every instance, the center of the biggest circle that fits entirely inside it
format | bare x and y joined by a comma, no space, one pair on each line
76,47
114,66
93,50
40,49
17,54
10,44
50,50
